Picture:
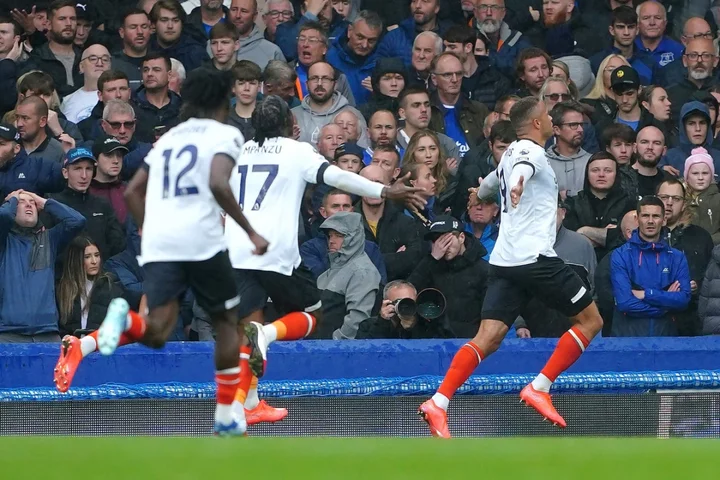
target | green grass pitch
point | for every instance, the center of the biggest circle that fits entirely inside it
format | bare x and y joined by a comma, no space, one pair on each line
105,458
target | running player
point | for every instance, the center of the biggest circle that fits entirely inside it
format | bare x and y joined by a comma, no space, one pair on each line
182,192
523,265
269,182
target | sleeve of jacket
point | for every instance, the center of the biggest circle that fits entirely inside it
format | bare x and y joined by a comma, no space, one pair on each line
360,297
676,301
712,273
73,130
8,90
114,234
312,258
50,178
391,46
376,257
625,301
7,219
401,264
125,275
590,139
422,276
68,223
571,222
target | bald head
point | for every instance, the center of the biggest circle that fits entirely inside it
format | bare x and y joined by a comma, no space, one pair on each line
34,105
695,27
629,223
94,61
375,173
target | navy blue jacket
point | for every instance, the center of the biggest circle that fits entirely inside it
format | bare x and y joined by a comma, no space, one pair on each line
287,33
642,62
33,174
355,68
8,89
676,157
188,51
125,265
652,267
314,254
399,42
148,116
27,269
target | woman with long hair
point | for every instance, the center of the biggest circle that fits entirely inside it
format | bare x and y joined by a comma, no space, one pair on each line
654,99
601,97
421,176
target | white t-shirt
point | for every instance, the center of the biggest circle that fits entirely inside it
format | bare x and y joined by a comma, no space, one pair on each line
528,230
269,182
79,105
182,218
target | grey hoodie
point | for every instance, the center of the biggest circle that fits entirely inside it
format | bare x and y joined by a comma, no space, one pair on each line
255,48
569,171
311,122
352,283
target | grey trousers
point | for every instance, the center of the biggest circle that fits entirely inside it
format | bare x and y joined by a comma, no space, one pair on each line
40,338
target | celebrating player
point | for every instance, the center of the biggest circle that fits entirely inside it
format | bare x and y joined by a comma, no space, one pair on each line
269,183
181,193
523,264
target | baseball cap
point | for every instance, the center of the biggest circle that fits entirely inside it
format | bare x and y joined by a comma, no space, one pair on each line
77,154
443,224
349,148
105,144
8,132
84,11
624,77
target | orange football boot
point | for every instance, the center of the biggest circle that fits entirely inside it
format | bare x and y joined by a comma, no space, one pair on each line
264,413
542,403
67,364
436,419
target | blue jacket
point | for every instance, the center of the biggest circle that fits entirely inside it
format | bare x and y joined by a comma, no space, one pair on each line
643,63
676,157
488,238
125,265
134,159
287,33
33,174
667,52
188,51
355,68
314,254
652,267
27,270
504,57
399,42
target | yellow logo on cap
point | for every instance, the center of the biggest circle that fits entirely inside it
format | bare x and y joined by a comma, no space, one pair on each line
620,74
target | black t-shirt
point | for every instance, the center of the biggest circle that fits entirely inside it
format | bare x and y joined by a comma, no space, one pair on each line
648,185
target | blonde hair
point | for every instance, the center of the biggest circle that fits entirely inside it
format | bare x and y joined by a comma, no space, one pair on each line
439,171
598,90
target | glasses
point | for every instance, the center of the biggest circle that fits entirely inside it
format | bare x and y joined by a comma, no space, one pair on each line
95,58
450,75
572,125
489,8
705,57
675,198
706,35
118,125
312,41
316,79
280,13
558,96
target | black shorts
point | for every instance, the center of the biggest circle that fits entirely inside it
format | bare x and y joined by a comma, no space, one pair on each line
211,282
297,292
549,279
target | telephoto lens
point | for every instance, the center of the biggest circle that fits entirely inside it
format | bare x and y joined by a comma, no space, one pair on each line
405,307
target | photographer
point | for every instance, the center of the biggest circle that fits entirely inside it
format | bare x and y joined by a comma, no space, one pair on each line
399,317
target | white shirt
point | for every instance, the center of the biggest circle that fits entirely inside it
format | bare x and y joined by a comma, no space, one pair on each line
83,301
529,229
79,105
182,218
269,182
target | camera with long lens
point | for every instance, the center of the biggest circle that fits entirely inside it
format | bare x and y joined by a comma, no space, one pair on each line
430,304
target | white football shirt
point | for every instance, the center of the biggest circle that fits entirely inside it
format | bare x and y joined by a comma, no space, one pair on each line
528,230
182,218
269,183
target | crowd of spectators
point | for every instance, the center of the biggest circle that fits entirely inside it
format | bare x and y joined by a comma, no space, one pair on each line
418,90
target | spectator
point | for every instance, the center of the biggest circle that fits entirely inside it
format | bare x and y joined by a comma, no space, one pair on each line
695,132
561,31
601,98
275,13
655,100
650,148
135,34
349,288
157,107
426,47
112,85
533,68
119,122
382,130
388,159
399,42
314,252
107,182
18,171
125,266
320,11
596,211
674,73
393,324
703,192
651,280
78,105
331,137
481,221
85,17
625,84
700,61
395,234
85,290
32,115
245,89
505,43
224,45
348,157
708,308
171,39
421,176
10,53
253,46
29,313
652,39
455,266
280,79
388,79
556,90
207,15
619,141
176,76
566,156
101,224
349,122
322,104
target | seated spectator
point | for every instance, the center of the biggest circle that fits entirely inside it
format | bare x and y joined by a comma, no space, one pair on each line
111,85
246,86
652,39
320,11
31,120
124,265
396,235
253,45
619,140
556,90
421,176
695,131
101,224
85,290
482,222
392,324
708,304
174,40
625,85
349,157
388,159
177,76
601,98
156,106
700,58
350,287
119,122
703,193
314,252
224,45
349,122
78,105
426,47
650,148
389,78
280,79
135,31
29,313
651,281
455,266
107,182
567,157
655,100
382,131
533,68
597,209
331,137
561,31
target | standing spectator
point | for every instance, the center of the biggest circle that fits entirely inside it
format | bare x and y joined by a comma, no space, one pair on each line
29,313
625,84
79,105
650,148
388,159
695,28
119,122
655,100
207,15
561,30
619,141
703,192
10,53
224,45
107,182
253,46
700,60
168,17
349,288
426,47
695,132
388,79
651,281
112,85
320,11
32,115
556,90
709,301
275,13
482,223
157,107
349,122
331,137
247,77
566,156
533,67
382,130
348,156
135,34
421,176
652,39
177,75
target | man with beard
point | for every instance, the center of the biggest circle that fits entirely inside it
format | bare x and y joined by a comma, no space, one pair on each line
156,106
207,15
320,11
700,60
79,105
382,129
322,104
532,69
652,39
561,30
650,148
60,57
167,18
253,46
695,28
135,34
566,156
505,43
426,47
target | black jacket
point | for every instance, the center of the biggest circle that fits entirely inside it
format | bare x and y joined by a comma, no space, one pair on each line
194,19
42,58
89,126
394,230
463,281
684,91
8,89
375,328
572,37
487,84
149,116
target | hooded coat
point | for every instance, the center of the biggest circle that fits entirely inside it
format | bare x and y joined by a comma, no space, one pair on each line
350,287
255,48
571,172
355,67
379,101
399,42
707,211
676,157
311,122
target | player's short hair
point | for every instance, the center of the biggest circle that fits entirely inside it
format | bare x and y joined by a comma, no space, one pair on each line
371,18
558,112
334,191
438,58
502,131
461,34
317,26
157,55
58,4
117,107
671,181
38,104
111,76
396,284
246,71
411,90
618,131
170,5
224,30
38,82
650,200
271,118
623,14
522,112
388,149
529,54
278,71
204,92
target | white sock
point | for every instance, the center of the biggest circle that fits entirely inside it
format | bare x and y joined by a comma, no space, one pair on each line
223,414
542,383
87,345
128,322
252,399
270,333
441,401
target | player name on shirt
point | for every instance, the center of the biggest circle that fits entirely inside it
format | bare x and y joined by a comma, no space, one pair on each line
254,148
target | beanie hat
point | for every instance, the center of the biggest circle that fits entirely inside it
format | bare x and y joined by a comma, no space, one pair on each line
699,155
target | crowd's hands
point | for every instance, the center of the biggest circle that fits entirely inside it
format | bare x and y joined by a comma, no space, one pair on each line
400,191
26,20
296,131
387,310
39,201
693,286
563,194
53,123
523,332
261,245
367,83
15,51
672,170
517,191
401,249
316,6
535,14
441,245
15,194
67,142
452,165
